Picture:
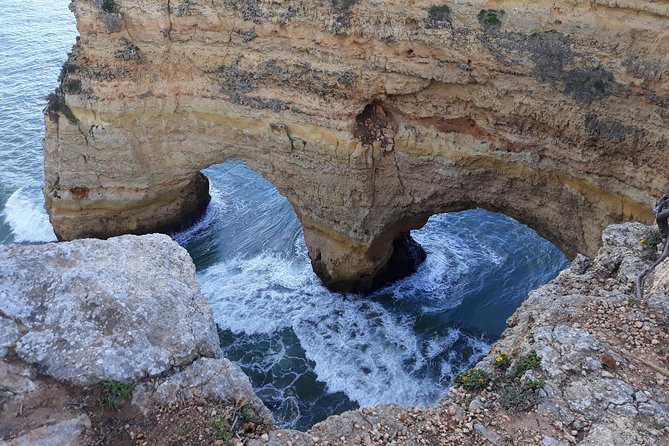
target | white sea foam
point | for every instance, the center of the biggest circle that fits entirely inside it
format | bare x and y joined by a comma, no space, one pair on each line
450,257
358,346
402,344
217,206
25,215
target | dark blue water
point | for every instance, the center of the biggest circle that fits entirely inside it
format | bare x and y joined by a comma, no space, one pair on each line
35,37
309,353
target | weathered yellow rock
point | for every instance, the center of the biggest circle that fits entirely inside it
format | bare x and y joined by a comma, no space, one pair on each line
368,115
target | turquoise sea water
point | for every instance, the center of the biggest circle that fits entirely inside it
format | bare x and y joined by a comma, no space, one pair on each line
308,352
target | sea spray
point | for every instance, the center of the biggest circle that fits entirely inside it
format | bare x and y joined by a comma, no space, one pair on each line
27,218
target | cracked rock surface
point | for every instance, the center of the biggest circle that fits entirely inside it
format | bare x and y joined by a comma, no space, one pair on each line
127,309
95,310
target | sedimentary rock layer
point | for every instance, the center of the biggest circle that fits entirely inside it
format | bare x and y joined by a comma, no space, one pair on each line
369,116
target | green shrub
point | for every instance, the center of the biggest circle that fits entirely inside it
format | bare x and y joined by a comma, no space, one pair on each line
517,398
115,393
249,415
526,362
438,16
72,86
536,384
653,238
55,104
67,68
221,430
473,379
502,361
490,18
110,6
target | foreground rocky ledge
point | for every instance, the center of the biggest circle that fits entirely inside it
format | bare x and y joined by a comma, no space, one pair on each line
126,310
369,116
602,378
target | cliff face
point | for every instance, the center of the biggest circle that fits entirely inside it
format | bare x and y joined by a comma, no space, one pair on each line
369,116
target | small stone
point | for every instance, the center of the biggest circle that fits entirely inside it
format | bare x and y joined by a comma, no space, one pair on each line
607,361
264,437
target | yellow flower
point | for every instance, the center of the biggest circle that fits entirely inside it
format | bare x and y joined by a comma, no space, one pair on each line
499,359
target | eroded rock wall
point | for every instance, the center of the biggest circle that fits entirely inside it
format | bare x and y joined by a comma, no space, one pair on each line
369,116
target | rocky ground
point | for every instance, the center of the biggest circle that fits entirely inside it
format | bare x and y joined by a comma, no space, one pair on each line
111,343
581,362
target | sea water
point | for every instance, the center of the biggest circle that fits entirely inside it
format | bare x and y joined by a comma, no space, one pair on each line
309,352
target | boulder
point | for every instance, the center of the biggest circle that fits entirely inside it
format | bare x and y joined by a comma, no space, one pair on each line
63,433
206,377
120,309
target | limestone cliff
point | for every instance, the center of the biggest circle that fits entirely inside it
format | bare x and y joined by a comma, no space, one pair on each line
368,115
77,314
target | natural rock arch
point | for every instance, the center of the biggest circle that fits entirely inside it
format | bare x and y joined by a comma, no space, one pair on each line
368,119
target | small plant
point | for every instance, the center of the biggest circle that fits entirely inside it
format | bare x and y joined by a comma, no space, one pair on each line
343,5
588,84
536,384
221,430
110,6
438,16
473,379
517,398
526,362
248,415
72,86
114,393
490,18
653,238
55,104
502,361
129,51
67,68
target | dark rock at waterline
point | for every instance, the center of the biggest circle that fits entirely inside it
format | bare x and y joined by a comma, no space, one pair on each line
407,256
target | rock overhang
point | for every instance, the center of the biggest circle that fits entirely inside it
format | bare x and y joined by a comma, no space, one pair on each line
368,117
